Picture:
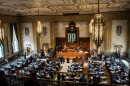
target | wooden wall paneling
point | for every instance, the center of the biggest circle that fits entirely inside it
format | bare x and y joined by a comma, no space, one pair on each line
84,43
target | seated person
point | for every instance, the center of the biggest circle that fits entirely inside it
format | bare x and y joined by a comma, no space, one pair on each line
73,75
69,69
82,78
63,77
47,61
51,74
104,81
91,80
122,69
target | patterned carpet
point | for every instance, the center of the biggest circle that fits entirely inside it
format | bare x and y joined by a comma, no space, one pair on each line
65,66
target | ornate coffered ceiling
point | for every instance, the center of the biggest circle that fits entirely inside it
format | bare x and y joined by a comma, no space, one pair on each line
59,7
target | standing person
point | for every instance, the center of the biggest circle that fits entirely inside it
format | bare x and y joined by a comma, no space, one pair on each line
112,59
60,59
42,53
18,54
102,57
33,81
95,53
3,81
25,55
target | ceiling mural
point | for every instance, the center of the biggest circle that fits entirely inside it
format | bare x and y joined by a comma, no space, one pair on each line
59,7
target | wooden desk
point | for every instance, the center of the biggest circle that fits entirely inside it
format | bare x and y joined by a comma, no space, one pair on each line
71,54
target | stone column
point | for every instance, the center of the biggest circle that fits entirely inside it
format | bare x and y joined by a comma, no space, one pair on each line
107,36
8,38
6,50
128,38
52,35
36,38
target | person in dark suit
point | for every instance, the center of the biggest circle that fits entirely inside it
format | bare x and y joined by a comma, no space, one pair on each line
18,55
25,55
33,81
82,78
58,76
96,80
63,77
47,61
42,54
3,81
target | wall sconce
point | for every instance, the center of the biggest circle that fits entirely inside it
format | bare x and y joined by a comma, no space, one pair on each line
26,31
44,30
119,30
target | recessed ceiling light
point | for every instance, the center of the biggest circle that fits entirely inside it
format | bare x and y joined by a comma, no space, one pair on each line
4,3
111,2
45,6
76,4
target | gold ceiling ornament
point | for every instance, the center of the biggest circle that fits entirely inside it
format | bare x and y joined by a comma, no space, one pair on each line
39,25
1,31
97,28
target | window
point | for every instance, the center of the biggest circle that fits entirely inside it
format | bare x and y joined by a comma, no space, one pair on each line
1,51
15,46
15,42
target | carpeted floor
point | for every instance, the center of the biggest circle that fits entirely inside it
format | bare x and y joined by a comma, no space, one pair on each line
65,66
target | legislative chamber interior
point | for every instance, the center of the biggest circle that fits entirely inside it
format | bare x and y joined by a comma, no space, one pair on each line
65,43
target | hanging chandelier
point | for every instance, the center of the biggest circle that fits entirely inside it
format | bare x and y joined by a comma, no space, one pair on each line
96,28
1,31
39,25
